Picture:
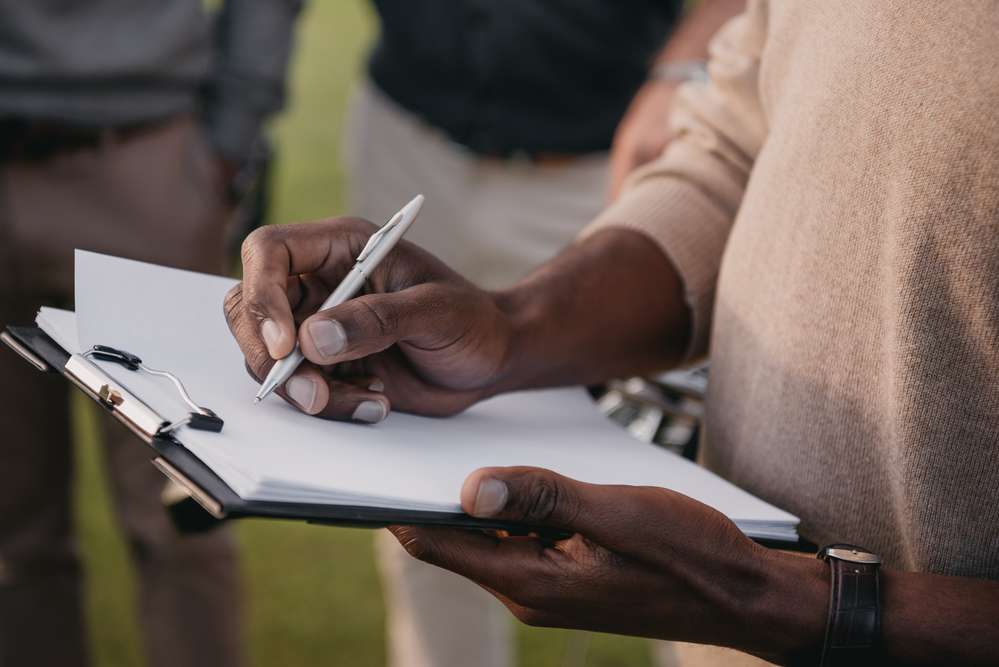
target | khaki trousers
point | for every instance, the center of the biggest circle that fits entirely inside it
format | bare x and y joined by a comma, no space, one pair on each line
154,197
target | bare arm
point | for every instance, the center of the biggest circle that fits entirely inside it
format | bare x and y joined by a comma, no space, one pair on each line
612,299
930,619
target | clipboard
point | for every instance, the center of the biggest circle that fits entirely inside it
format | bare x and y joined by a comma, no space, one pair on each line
218,501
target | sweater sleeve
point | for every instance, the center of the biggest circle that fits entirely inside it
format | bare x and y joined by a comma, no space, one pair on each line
254,42
686,200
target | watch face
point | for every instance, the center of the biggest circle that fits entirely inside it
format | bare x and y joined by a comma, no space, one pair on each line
849,553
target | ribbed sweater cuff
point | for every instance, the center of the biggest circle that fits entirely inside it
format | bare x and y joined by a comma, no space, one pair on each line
690,230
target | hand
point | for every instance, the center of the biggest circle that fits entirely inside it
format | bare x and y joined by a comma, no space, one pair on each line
643,132
643,561
422,339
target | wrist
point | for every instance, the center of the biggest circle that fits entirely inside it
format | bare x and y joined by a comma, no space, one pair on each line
590,315
789,617
519,306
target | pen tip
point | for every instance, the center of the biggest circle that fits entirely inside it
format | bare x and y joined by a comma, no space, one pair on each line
256,399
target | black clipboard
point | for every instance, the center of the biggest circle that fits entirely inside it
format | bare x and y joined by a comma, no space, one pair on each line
208,490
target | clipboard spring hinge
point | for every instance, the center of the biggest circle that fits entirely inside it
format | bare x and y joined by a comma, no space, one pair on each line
200,418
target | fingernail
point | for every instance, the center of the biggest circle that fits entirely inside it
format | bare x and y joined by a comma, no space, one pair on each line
329,336
376,385
271,333
371,412
490,498
303,391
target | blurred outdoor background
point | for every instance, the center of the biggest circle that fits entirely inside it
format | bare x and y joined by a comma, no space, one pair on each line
313,592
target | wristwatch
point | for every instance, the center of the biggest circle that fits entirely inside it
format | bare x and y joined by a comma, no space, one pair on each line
679,71
853,630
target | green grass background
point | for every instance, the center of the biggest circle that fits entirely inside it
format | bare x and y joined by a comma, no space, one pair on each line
313,595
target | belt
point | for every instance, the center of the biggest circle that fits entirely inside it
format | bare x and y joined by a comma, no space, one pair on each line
34,140
536,159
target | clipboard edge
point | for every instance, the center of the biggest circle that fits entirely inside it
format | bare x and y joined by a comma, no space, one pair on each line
24,352
195,491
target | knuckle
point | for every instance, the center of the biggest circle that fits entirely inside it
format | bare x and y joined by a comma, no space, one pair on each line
252,243
548,499
254,300
542,499
263,236
418,545
232,302
259,241
355,224
383,321
259,361
355,231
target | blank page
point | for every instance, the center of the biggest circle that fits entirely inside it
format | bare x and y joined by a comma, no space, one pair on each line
270,451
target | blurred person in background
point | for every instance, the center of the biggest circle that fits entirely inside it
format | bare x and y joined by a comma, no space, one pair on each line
503,115
122,126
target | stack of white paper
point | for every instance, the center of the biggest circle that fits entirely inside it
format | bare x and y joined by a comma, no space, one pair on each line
270,451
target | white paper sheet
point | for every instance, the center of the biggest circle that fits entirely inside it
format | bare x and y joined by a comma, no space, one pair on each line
173,320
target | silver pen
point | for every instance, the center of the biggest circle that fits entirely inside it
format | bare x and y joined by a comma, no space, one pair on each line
378,246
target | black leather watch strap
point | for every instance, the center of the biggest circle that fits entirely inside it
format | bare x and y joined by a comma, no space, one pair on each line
854,627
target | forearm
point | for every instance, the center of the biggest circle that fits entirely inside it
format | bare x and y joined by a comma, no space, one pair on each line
609,305
927,619
930,619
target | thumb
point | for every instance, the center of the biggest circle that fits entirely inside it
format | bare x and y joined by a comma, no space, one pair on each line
532,496
621,518
371,323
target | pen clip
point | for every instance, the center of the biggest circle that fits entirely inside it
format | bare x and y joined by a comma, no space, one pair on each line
377,237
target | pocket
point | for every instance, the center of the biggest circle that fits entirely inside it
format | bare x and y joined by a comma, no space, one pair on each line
182,215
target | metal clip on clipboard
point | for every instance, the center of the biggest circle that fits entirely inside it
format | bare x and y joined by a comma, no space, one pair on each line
132,411
182,495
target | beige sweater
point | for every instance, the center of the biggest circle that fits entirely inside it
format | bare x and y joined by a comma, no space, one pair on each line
832,205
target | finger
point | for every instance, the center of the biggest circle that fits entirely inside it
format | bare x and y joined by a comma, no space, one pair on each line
421,315
315,394
410,392
519,570
311,292
273,253
244,330
359,399
613,516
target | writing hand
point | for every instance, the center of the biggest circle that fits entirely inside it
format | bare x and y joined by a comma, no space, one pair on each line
421,339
